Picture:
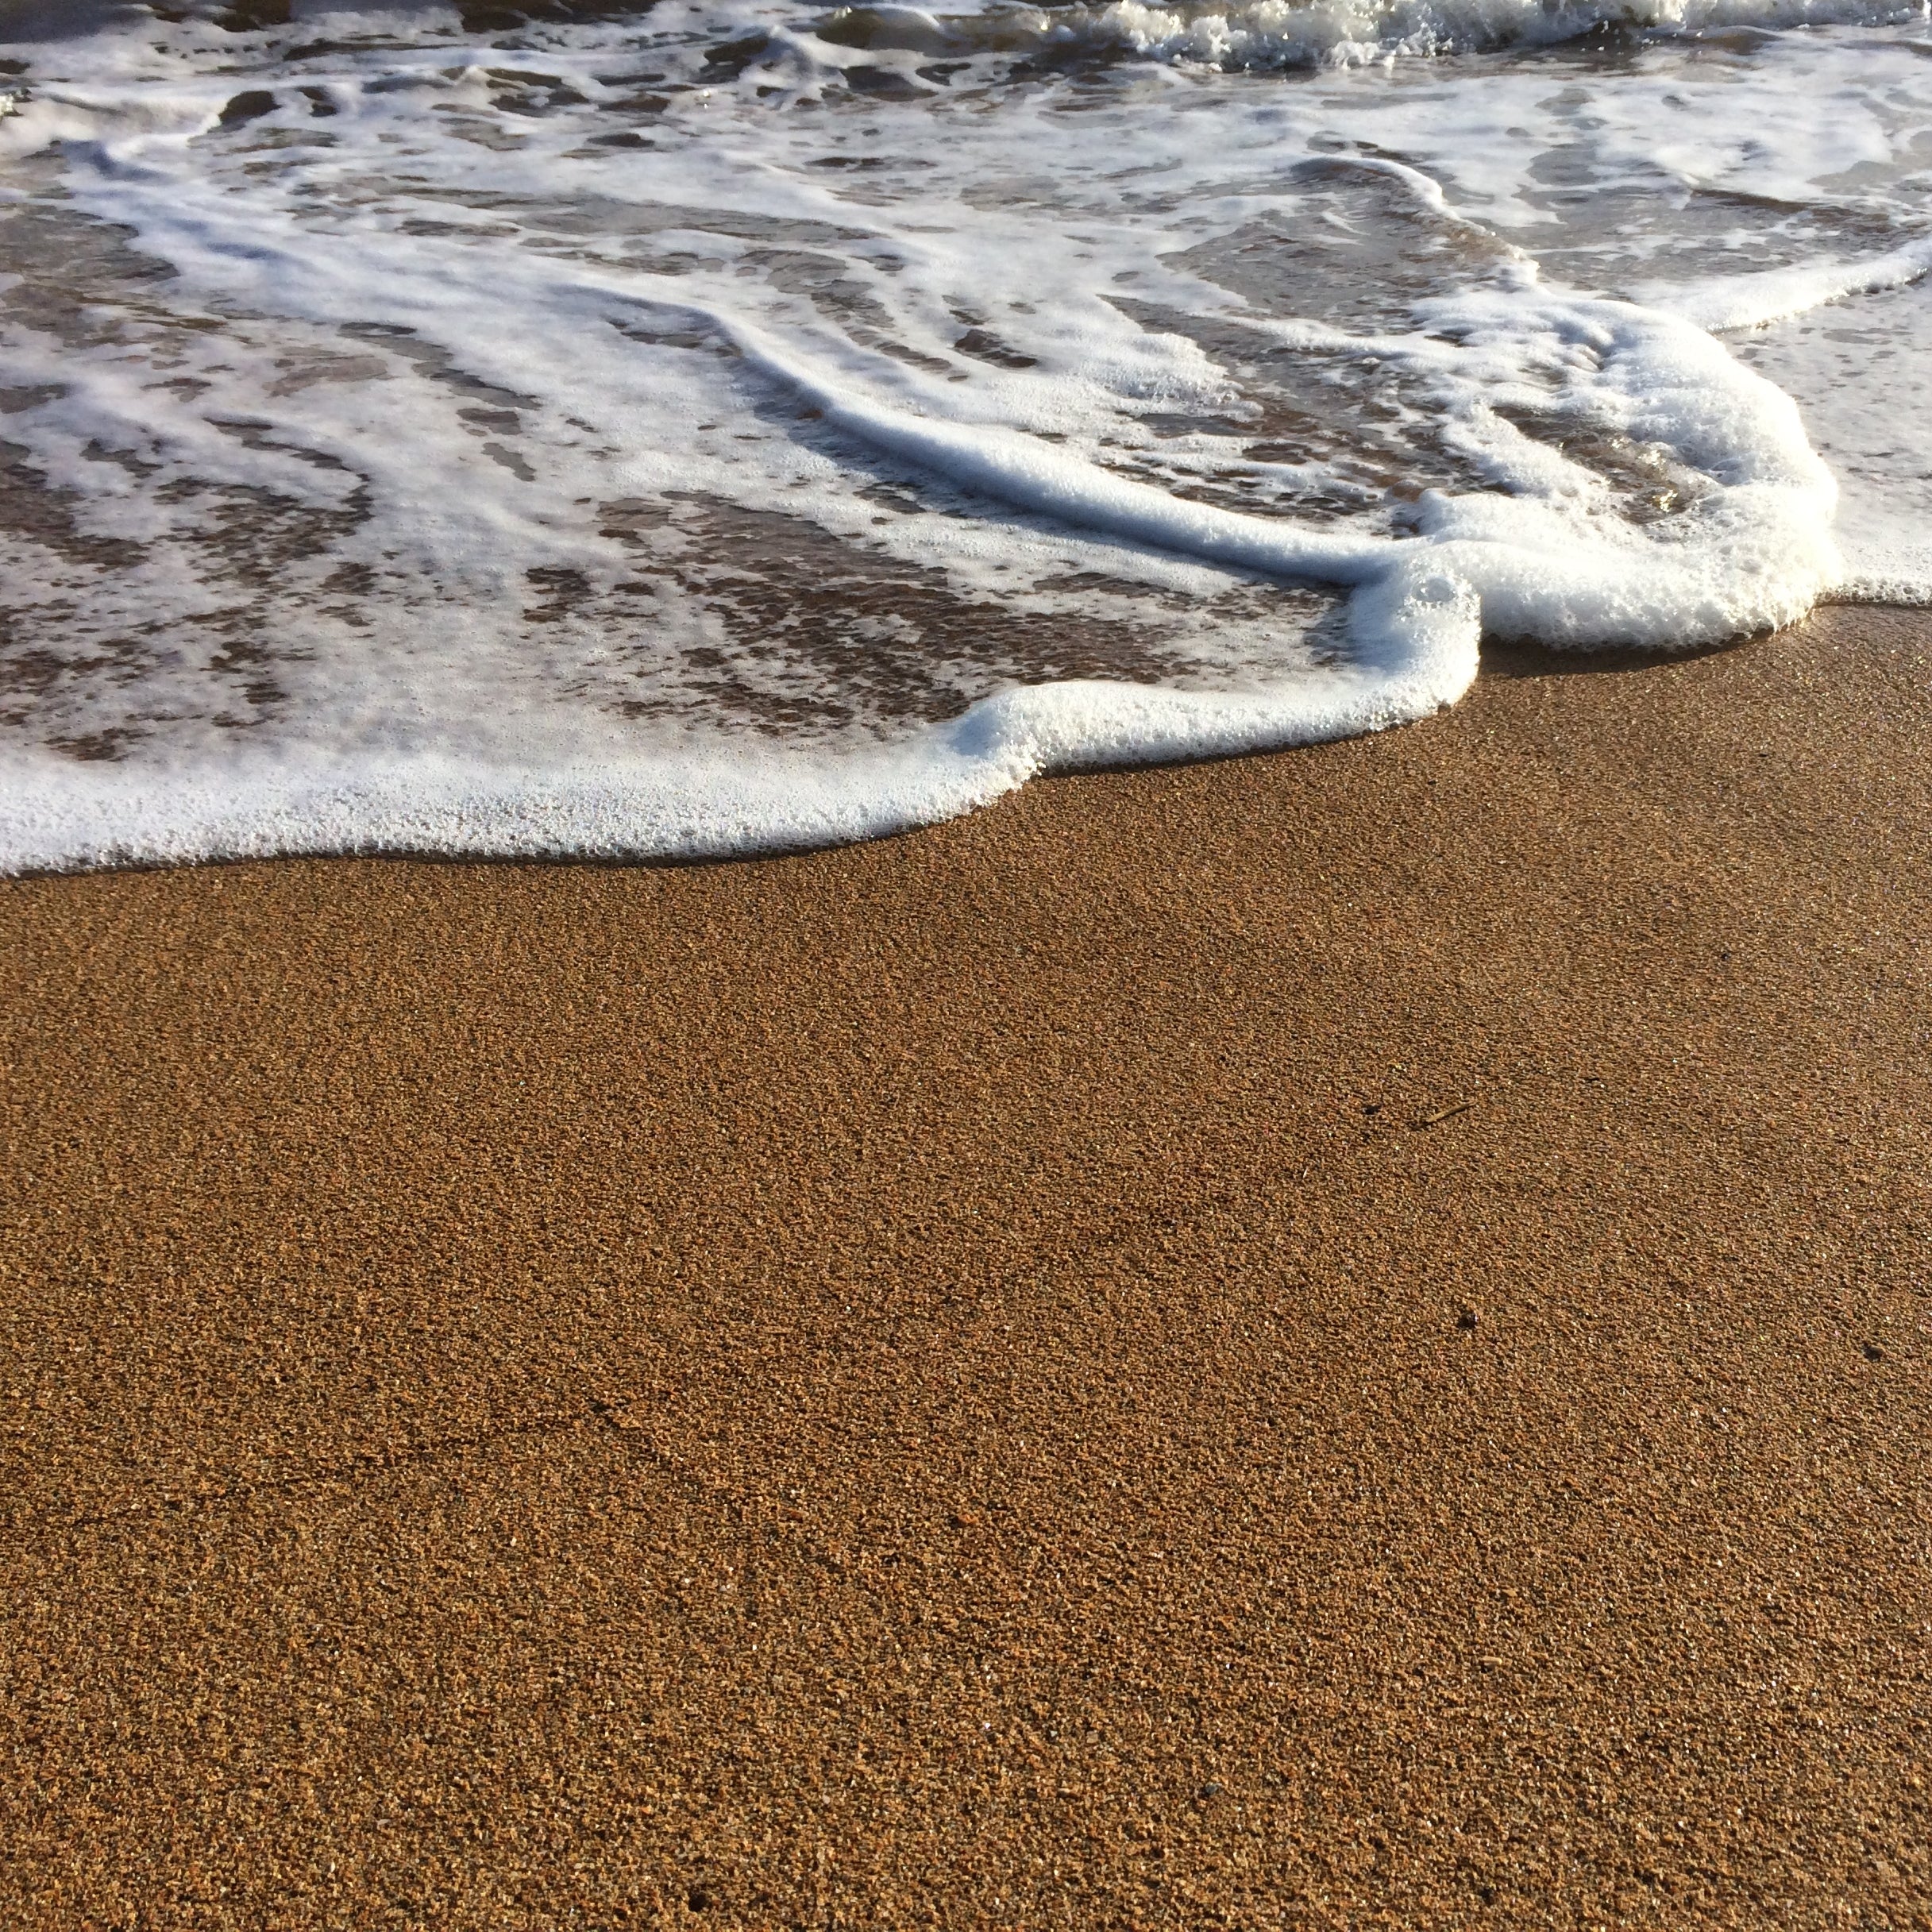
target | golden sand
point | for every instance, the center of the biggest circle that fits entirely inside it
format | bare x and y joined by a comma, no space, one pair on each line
1339,1338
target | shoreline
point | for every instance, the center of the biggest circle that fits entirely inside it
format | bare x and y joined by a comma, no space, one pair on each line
1337,1336
325,783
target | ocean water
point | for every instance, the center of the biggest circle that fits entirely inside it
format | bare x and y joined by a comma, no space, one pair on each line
676,430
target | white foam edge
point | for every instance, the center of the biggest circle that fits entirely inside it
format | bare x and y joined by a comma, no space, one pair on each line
1757,556
55,816
1777,294
1894,573
1021,470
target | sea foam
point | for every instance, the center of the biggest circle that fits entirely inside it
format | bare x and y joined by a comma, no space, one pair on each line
701,431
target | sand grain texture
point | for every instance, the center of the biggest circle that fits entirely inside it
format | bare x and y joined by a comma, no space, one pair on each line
1329,1339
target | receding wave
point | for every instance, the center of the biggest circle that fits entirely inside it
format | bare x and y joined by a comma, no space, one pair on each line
680,431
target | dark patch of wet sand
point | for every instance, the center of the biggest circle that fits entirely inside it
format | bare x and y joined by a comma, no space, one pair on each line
1331,1339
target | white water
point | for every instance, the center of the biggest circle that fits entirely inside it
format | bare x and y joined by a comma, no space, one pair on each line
690,431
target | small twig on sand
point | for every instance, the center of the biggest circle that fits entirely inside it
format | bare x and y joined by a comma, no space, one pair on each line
1432,1119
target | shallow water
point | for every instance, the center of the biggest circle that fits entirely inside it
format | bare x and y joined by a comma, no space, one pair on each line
681,429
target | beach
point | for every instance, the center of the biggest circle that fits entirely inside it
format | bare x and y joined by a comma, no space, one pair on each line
1336,1338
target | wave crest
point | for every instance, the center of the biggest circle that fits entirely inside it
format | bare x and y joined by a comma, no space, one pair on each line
1285,33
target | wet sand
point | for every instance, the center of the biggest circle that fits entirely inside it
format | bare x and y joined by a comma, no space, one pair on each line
1336,1338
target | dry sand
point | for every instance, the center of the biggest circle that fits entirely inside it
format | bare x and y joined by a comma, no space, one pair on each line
1334,1338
